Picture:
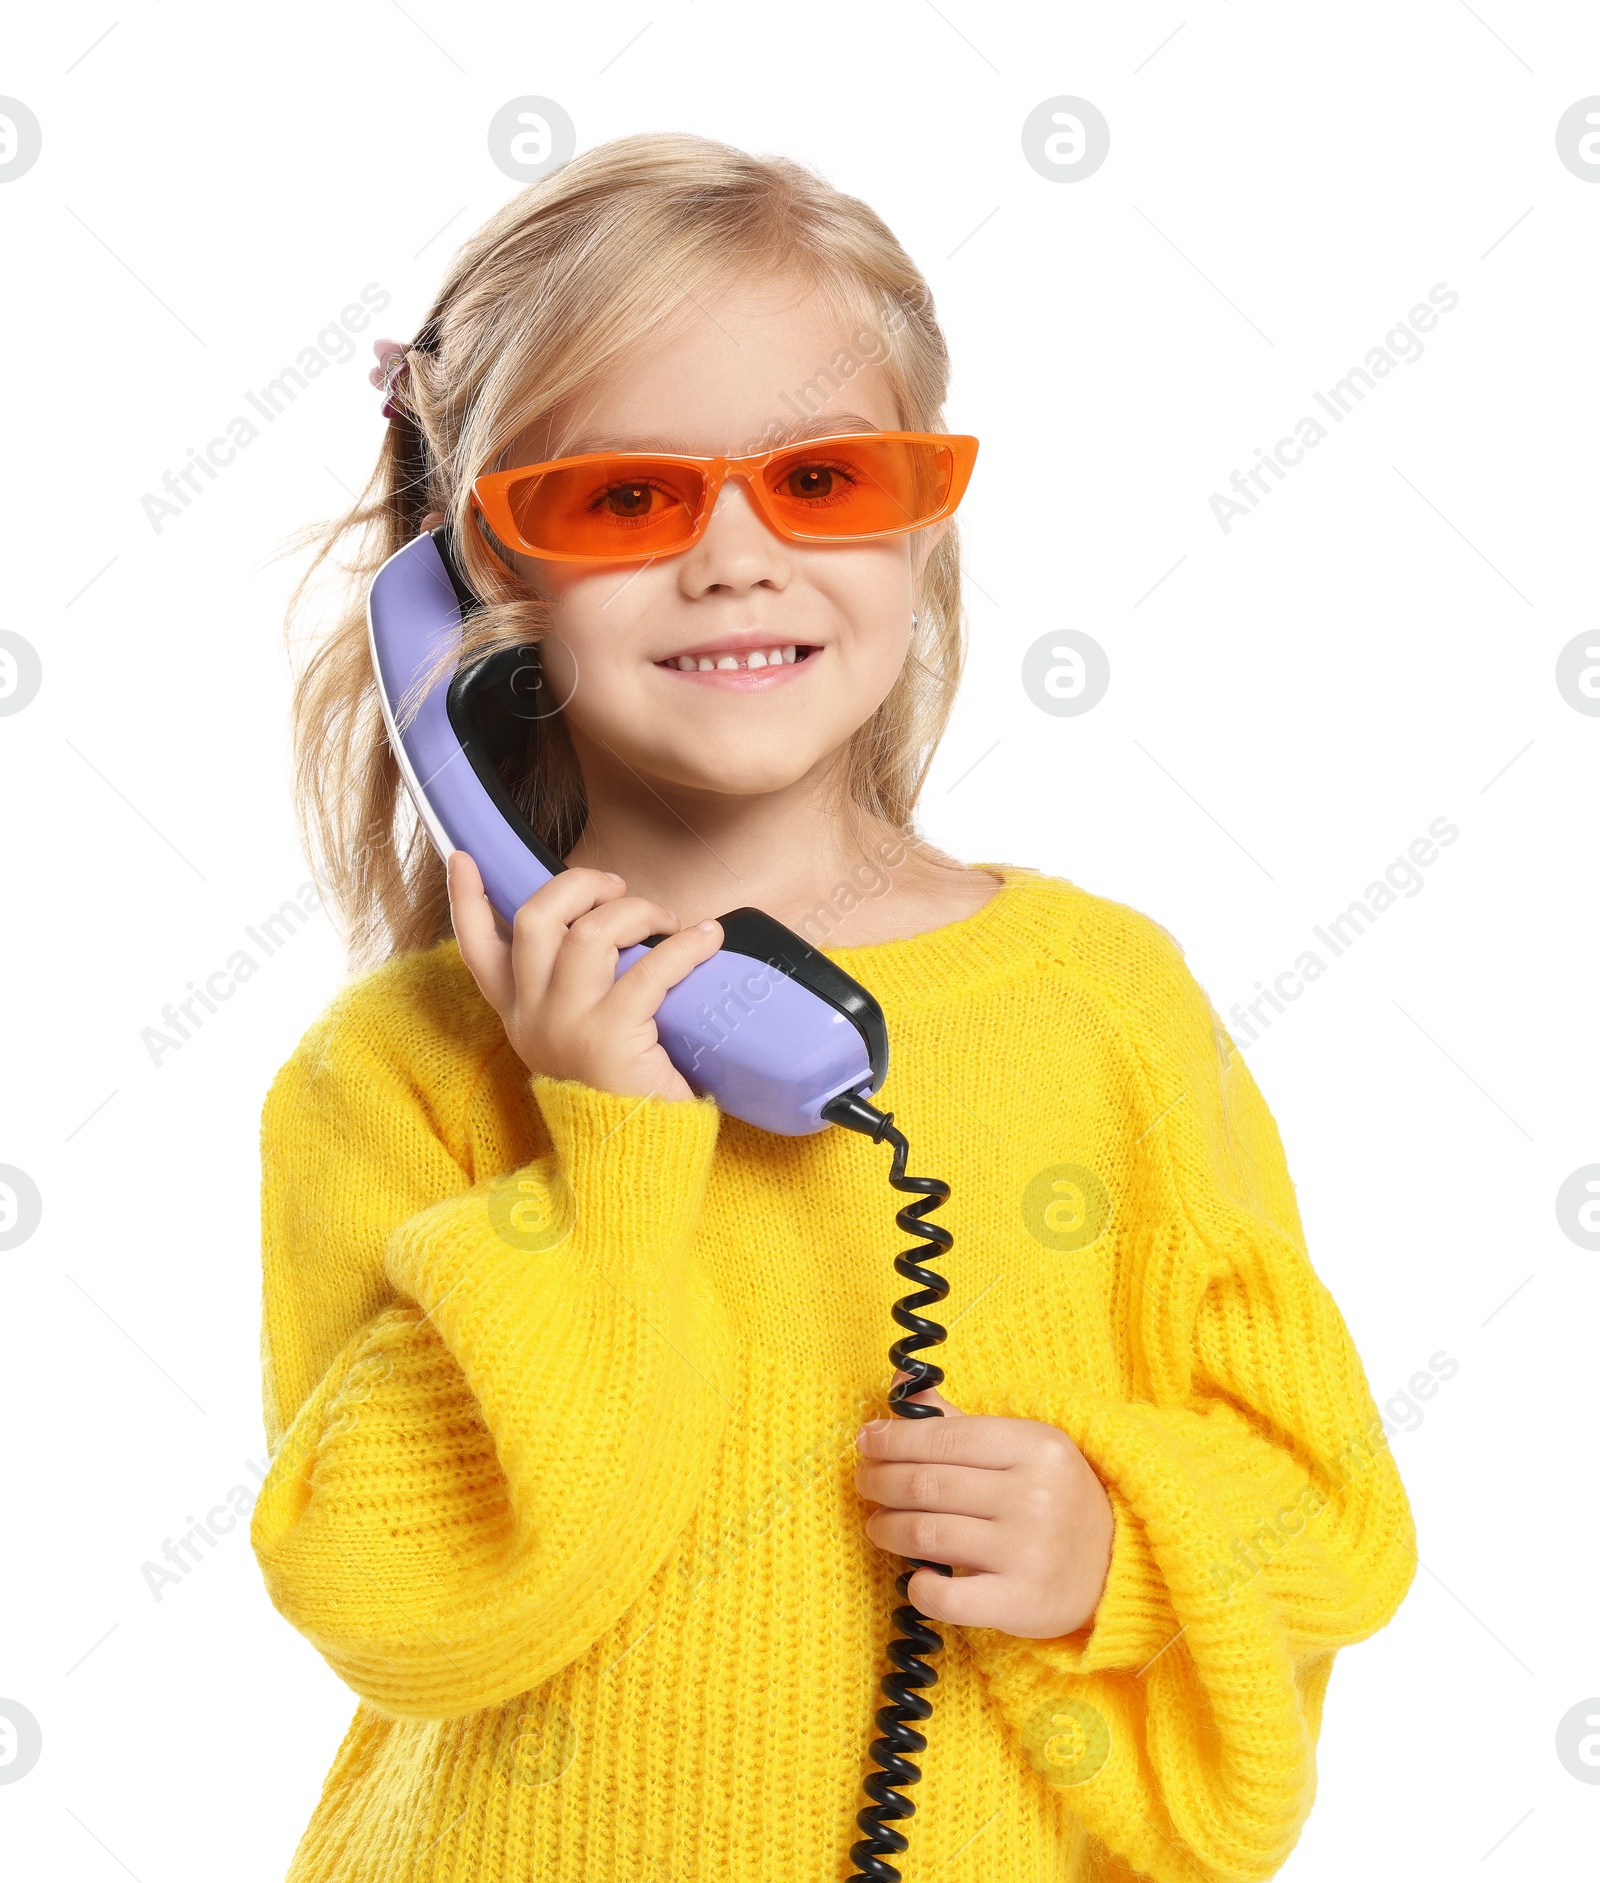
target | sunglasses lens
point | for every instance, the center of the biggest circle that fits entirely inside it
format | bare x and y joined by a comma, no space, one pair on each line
859,487
620,508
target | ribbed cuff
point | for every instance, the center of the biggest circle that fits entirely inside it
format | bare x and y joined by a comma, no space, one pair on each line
1133,1622
637,1167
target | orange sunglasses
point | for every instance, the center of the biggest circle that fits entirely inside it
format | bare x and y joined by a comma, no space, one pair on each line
623,506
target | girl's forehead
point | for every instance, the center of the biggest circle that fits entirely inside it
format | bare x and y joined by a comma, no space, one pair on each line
733,371
727,385
832,424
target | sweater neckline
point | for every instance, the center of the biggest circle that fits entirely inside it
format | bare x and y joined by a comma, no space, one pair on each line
1014,926
925,967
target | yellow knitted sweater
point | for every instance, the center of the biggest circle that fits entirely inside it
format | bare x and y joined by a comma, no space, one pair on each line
562,1390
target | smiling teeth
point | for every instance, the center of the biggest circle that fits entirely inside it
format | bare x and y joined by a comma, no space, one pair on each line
730,663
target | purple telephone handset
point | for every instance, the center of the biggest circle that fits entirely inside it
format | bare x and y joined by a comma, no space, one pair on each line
768,1027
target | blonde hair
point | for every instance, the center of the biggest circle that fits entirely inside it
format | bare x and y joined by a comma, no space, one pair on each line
570,274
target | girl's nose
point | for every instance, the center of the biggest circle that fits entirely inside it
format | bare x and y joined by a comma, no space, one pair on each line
735,491
737,548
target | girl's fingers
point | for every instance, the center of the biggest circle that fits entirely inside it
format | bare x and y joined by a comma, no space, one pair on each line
961,1490
977,1600
486,953
544,919
640,991
587,963
981,1439
963,1542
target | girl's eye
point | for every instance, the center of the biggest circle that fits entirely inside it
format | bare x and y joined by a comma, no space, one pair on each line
627,501
816,482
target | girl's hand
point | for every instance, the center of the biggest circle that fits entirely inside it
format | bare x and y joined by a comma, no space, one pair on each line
1012,1501
555,986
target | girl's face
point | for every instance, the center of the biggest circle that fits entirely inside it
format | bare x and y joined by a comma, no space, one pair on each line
624,635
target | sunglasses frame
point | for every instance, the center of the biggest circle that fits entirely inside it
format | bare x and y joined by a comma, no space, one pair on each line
491,496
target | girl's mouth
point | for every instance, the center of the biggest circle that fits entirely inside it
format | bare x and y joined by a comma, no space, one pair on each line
744,668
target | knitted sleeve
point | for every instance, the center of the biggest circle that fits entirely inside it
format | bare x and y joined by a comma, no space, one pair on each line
491,1405
1260,1523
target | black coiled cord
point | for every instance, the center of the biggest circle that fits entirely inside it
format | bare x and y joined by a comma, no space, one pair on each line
916,1638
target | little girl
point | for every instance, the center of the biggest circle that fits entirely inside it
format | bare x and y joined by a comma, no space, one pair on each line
570,1380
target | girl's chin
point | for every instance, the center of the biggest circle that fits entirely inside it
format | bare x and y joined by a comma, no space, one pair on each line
719,768
737,781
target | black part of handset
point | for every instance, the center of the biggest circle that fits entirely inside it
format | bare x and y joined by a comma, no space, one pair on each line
444,542
754,933
493,708
486,705
490,710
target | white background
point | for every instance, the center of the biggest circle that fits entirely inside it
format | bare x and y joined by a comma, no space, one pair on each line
1373,648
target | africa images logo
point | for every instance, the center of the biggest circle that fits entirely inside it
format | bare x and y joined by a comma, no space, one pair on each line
1402,346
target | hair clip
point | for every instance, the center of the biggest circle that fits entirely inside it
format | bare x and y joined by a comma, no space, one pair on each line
388,373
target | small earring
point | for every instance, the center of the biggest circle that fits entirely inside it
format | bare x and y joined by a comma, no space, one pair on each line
913,621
